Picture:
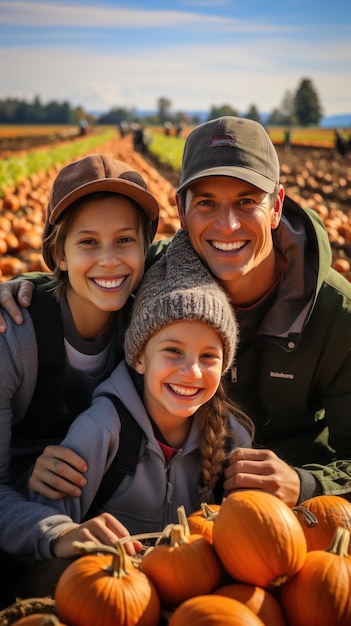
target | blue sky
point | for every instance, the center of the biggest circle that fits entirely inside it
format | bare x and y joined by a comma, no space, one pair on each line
196,53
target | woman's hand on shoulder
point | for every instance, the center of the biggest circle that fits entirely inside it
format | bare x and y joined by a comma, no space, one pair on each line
58,472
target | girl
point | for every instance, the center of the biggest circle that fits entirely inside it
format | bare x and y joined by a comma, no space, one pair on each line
181,339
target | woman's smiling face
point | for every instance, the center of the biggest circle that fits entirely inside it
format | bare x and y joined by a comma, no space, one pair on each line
104,253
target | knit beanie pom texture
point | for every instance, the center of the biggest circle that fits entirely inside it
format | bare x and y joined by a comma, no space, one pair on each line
180,287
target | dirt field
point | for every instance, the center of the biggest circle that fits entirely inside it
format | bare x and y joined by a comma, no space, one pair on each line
13,144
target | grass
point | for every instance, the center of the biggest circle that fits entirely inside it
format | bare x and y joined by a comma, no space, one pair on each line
168,150
16,169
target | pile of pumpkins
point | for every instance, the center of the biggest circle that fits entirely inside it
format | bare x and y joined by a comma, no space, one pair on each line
250,561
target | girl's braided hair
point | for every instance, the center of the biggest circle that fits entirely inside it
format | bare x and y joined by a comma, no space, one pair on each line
218,440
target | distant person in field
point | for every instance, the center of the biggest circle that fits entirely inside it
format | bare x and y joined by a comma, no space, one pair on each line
349,146
273,258
123,128
141,138
340,143
167,127
83,128
287,140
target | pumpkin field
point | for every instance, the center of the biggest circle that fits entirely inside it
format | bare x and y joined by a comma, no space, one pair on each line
314,176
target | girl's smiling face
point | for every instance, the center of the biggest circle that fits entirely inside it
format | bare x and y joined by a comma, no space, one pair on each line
104,256
182,367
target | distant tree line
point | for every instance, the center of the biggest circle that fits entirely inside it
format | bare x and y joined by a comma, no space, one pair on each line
302,108
15,111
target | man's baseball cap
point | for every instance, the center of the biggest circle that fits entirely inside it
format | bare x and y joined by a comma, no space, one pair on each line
230,146
93,173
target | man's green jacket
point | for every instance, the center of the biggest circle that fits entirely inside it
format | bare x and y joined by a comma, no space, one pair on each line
292,372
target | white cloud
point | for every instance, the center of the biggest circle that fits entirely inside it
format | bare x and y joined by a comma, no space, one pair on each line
37,14
222,60
191,77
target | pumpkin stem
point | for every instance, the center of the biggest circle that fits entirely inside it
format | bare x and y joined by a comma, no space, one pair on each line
183,520
340,542
117,569
177,535
308,517
90,547
161,537
208,513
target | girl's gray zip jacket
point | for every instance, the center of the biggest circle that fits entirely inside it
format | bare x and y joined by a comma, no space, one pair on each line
146,501
292,372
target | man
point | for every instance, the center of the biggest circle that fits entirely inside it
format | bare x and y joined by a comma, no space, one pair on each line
292,372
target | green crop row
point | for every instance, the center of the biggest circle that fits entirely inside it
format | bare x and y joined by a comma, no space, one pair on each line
167,150
15,169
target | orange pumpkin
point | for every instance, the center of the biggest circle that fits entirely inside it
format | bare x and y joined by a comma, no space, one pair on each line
211,610
11,266
186,567
260,601
3,246
258,539
331,513
320,593
95,591
341,265
201,522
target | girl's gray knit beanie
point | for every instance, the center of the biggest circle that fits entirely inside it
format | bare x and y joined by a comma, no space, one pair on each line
180,287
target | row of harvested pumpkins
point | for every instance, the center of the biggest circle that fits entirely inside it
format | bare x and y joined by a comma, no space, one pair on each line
250,561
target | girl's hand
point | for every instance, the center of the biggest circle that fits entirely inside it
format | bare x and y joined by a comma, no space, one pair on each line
12,292
104,528
58,472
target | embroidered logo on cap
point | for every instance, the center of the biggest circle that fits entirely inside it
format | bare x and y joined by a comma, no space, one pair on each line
220,141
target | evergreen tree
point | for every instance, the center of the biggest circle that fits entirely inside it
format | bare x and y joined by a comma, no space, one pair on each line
307,106
117,115
221,111
284,115
276,118
164,106
13,111
253,114
287,108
